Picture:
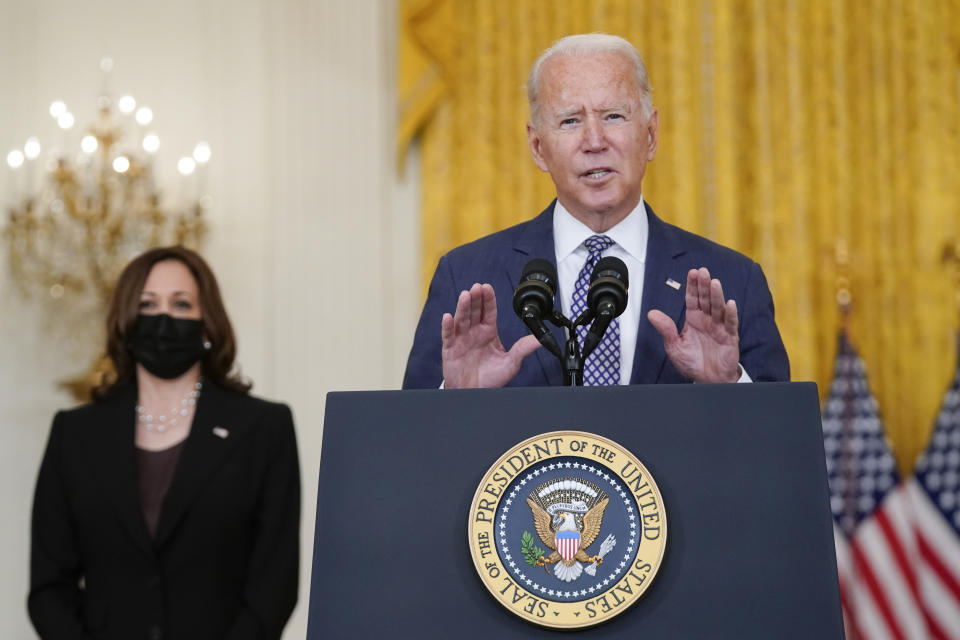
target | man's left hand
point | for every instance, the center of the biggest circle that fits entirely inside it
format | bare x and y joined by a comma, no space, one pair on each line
708,347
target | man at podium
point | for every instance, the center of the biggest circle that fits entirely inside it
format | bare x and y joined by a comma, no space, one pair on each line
593,127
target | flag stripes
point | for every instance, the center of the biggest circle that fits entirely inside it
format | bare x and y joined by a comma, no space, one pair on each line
938,571
875,544
568,542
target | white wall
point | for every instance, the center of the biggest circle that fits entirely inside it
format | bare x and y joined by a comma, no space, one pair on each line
313,235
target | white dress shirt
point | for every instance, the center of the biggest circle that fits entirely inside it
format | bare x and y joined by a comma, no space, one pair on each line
630,245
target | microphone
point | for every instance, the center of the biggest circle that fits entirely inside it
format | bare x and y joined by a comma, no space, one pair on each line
533,300
606,298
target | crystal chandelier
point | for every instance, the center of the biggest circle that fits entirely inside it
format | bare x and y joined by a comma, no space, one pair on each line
95,208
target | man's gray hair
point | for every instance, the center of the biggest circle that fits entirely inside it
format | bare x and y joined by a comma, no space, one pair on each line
586,44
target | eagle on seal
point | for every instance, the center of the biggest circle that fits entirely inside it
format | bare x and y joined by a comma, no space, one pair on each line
563,529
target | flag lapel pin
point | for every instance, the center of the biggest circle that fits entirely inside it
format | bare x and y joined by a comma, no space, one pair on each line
673,283
220,432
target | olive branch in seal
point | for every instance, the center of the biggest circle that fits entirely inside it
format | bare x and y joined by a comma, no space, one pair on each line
531,552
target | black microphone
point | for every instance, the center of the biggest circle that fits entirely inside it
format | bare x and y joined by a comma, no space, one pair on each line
533,300
606,298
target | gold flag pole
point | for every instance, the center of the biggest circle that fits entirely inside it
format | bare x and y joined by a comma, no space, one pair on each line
951,258
841,261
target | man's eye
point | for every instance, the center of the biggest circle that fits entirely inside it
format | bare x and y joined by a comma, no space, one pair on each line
615,116
568,121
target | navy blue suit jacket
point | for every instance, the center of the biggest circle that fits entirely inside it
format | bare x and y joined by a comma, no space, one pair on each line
499,259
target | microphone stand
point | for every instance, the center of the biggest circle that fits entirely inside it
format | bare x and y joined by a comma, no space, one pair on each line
572,360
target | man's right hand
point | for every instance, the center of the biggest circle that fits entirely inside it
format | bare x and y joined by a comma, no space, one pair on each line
473,355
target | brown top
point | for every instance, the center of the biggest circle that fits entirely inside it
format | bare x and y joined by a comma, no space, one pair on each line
155,471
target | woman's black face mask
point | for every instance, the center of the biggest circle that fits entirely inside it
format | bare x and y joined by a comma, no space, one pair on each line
167,346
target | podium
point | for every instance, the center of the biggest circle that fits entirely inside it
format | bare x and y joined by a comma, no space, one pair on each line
741,470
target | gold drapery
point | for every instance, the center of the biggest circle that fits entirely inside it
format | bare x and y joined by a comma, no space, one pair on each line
784,126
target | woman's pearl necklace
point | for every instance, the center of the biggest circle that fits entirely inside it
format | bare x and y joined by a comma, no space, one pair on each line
172,418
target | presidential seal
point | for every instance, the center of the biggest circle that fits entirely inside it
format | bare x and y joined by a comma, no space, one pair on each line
567,529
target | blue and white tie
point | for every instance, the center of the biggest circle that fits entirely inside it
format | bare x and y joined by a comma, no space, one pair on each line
603,365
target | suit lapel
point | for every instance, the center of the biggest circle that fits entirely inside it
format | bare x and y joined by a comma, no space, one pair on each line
216,428
537,242
663,249
116,464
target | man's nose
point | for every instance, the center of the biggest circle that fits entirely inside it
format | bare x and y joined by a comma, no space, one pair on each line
593,135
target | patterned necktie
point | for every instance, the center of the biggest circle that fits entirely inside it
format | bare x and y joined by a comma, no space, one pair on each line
603,365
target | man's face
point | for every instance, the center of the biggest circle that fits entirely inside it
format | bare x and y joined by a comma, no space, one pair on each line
592,136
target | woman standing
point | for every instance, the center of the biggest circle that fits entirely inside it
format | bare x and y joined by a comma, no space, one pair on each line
169,507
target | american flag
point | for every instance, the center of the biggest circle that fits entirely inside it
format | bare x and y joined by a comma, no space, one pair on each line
934,493
874,538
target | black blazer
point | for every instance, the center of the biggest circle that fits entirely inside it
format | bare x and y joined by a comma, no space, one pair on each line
224,563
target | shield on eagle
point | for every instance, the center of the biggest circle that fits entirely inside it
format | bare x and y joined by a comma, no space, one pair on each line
568,542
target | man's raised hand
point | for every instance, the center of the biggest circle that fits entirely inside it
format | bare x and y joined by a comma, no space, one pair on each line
708,347
472,353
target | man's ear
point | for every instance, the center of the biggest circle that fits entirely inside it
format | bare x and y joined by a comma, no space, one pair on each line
533,138
653,123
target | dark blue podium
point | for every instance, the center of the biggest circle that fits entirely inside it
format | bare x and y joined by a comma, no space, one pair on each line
741,469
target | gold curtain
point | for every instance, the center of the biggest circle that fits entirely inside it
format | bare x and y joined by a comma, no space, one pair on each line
785,126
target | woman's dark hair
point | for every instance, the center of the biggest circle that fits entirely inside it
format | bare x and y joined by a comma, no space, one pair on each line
124,308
